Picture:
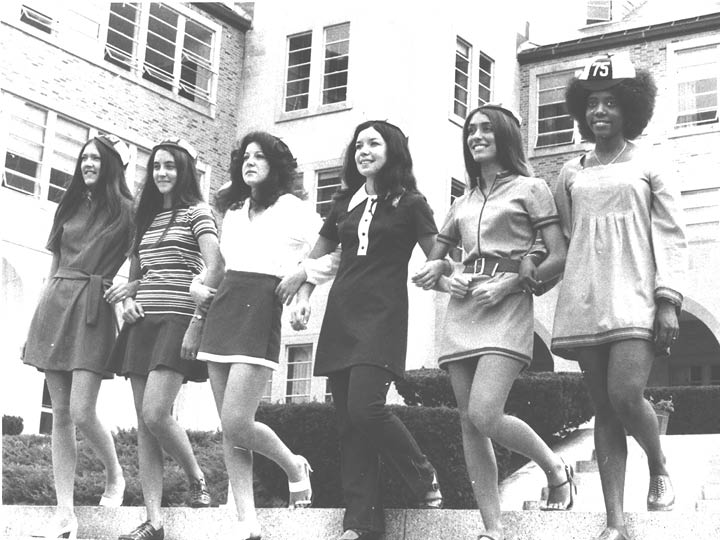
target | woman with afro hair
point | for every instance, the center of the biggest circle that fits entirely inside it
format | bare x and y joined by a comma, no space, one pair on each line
620,296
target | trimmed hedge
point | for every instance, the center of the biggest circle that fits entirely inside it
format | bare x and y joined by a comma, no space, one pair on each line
534,394
696,408
309,430
12,425
549,402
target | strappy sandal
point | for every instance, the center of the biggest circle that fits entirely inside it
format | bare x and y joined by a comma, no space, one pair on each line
301,486
570,475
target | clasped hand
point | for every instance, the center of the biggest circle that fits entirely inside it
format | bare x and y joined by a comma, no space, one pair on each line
486,292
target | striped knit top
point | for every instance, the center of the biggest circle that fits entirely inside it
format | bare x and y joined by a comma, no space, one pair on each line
170,257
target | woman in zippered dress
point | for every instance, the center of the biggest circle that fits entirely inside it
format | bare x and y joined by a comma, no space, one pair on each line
488,331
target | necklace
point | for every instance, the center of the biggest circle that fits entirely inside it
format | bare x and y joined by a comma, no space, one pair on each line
613,159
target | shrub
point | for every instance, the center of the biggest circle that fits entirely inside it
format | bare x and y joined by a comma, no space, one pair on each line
12,425
696,408
549,402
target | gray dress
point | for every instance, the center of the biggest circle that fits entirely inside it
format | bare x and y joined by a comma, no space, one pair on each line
503,225
73,327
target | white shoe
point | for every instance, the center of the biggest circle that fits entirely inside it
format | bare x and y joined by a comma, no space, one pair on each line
59,527
115,500
301,486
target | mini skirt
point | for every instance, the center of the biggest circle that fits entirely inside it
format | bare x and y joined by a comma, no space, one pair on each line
244,321
152,342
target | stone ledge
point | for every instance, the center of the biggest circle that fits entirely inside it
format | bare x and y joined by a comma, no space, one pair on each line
324,524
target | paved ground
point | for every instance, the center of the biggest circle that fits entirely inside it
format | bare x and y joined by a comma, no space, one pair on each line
693,461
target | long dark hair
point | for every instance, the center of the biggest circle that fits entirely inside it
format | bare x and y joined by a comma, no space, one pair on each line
396,174
109,193
280,180
185,193
508,141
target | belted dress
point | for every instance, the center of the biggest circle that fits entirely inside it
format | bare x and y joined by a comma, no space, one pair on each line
73,326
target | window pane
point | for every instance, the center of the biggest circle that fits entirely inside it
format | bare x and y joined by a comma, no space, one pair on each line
160,51
555,125
141,160
299,373
36,19
461,102
337,48
25,147
328,182
297,78
121,42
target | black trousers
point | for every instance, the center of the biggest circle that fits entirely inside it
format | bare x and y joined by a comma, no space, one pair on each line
369,432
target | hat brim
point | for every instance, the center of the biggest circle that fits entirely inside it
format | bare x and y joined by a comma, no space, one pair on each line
597,86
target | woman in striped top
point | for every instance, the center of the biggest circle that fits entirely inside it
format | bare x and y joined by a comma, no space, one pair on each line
175,238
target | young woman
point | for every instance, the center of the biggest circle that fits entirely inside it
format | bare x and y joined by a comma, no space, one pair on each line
266,232
625,267
73,329
488,333
378,217
175,236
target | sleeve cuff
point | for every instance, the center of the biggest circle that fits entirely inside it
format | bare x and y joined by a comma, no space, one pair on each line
670,295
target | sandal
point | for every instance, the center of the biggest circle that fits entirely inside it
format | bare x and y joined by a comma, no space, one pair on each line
301,486
611,533
570,475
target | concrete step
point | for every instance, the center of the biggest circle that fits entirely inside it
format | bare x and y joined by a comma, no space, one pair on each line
324,524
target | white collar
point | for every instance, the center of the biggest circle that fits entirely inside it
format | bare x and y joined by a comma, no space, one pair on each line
360,196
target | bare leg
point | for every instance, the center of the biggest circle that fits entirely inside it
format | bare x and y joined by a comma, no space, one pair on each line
161,389
64,445
244,387
630,365
478,451
610,441
150,457
492,382
83,411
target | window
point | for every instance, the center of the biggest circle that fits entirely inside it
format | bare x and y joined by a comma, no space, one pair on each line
714,375
171,48
46,416
696,376
461,101
599,11
485,78
42,148
457,189
337,55
267,393
297,85
299,373
328,182
697,71
36,19
304,90
328,391
702,214
555,126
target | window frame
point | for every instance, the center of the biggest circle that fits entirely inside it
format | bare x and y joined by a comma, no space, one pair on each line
473,89
608,4
534,75
296,397
49,139
317,172
673,64
315,104
92,47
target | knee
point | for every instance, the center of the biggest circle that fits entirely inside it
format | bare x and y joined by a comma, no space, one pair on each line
364,416
237,429
155,418
82,414
62,416
626,401
484,418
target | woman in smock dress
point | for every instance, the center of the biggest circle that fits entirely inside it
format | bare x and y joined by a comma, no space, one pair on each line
620,295
378,218
74,327
489,326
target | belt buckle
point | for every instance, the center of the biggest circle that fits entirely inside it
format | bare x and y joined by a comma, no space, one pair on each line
480,260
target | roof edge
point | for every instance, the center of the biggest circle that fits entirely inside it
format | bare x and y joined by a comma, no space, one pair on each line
603,42
225,14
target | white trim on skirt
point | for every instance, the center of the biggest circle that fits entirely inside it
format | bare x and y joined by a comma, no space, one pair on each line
236,359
